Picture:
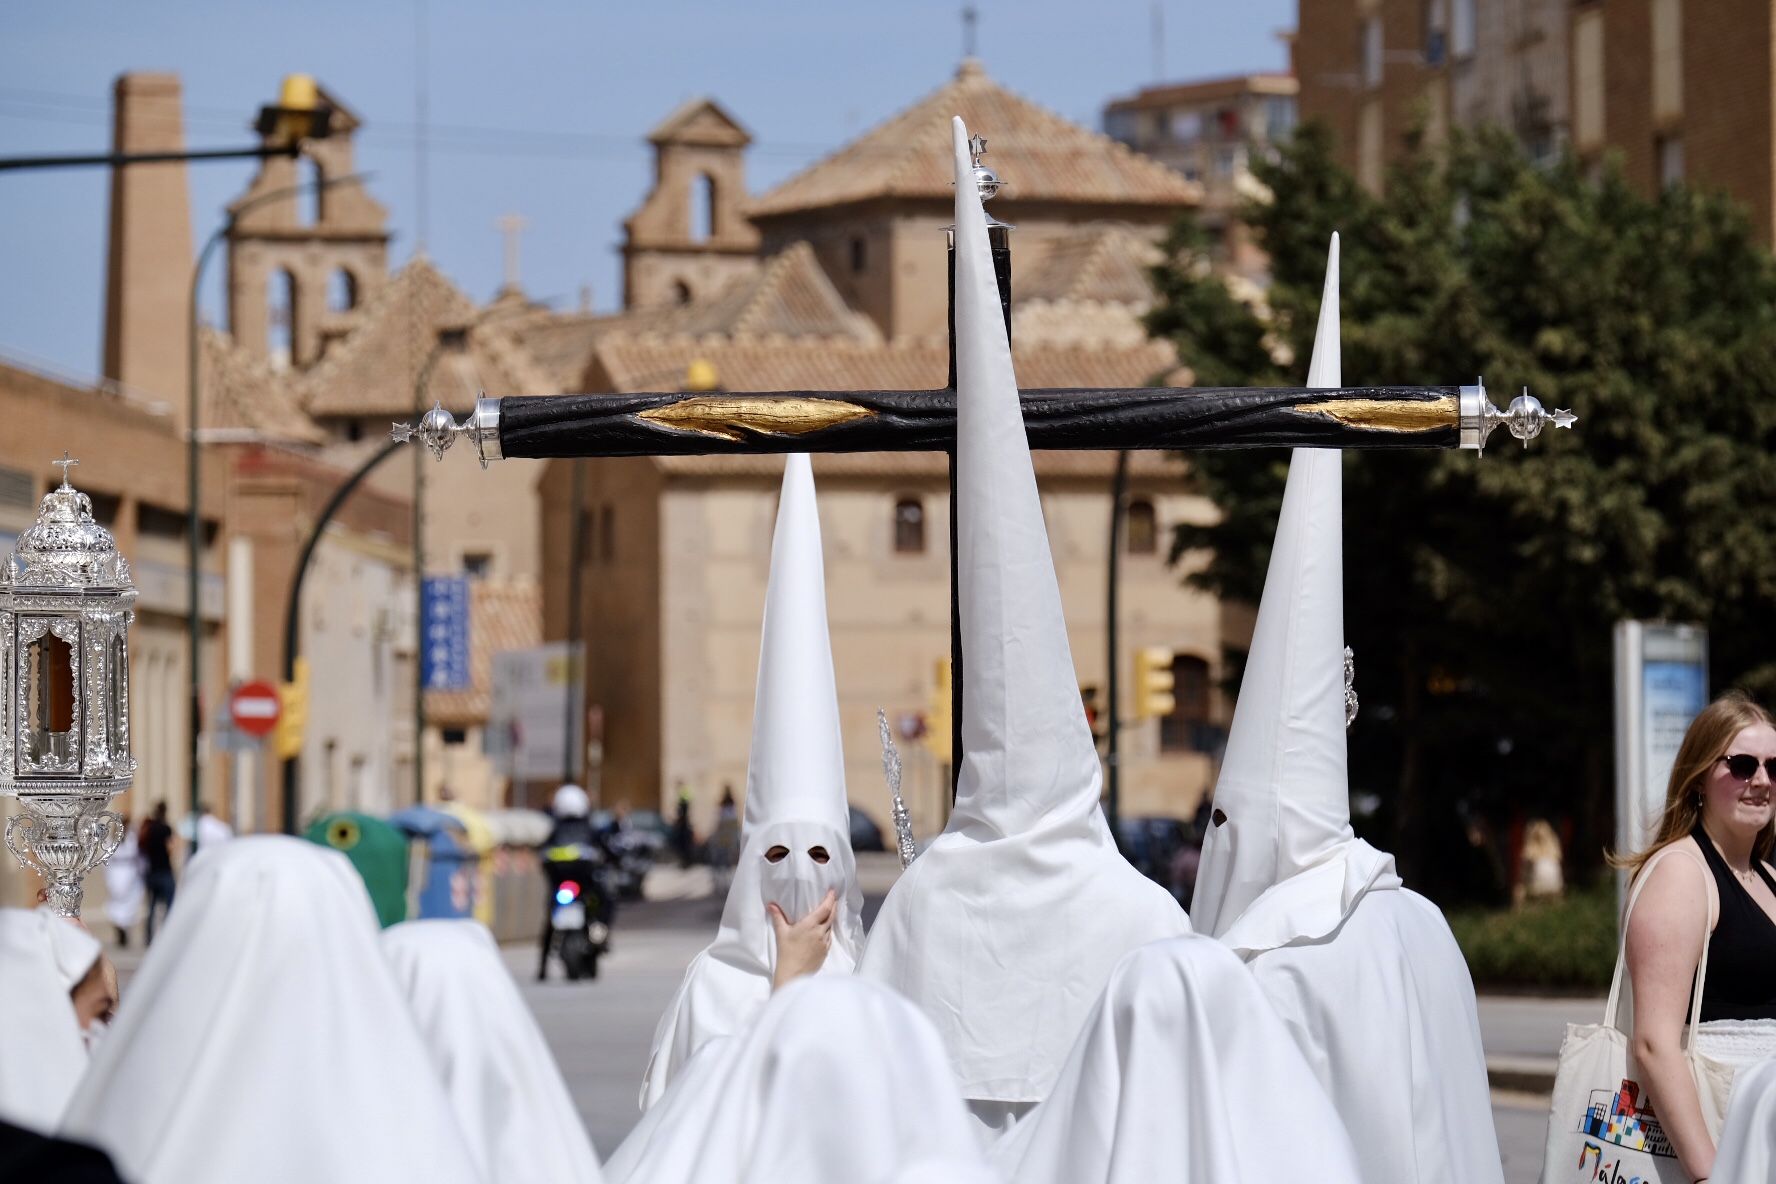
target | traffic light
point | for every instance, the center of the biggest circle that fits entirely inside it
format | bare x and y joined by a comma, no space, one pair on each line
292,714
1153,682
937,723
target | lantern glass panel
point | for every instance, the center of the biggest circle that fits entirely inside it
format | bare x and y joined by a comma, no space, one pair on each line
50,696
116,694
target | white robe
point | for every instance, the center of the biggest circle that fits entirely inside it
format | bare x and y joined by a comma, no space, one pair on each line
508,1094
1384,1010
264,1039
1005,929
42,1053
1182,1073
838,1079
1747,1149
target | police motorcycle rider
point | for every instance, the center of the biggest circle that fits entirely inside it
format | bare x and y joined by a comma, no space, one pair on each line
576,853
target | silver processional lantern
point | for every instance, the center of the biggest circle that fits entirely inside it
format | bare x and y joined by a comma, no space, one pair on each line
65,614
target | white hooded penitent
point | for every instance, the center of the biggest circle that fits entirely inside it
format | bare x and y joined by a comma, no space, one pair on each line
1006,928
516,1114
795,799
264,1039
1182,1072
1364,973
838,1079
1280,862
42,1055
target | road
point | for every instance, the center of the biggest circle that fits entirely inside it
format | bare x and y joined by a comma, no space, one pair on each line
601,1031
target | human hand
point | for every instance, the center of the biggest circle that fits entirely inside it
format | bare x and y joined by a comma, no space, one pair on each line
802,945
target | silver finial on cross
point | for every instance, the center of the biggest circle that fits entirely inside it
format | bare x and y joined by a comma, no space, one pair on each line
65,464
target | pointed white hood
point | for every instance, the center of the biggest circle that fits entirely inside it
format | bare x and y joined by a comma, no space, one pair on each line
1007,927
795,798
1280,862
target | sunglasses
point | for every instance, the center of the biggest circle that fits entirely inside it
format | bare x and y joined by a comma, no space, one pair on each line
1743,766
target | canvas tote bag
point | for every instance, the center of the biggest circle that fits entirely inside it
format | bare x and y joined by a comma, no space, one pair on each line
1603,1127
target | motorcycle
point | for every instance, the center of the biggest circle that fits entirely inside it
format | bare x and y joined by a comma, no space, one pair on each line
577,931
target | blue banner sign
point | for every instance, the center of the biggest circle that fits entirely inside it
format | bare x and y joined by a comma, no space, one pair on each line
444,633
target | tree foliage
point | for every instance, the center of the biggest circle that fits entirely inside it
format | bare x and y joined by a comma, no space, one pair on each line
1480,592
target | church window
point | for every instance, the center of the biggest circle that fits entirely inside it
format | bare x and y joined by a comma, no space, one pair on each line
1187,728
681,292
280,318
702,207
859,253
342,291
909,526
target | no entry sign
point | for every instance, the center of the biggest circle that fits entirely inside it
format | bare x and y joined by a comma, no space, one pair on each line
254,707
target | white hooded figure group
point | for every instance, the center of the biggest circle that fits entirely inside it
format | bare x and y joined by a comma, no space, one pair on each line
1028,1007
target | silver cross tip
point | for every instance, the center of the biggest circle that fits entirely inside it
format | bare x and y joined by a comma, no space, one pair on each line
401,433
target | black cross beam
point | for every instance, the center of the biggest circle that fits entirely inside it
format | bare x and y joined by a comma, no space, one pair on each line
1179,418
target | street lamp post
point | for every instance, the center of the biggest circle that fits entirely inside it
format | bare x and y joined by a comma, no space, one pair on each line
193,472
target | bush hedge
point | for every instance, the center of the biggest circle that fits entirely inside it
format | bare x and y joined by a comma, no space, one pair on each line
1563,945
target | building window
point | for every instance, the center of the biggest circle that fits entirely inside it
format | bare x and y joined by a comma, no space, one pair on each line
1671,161
1187,126
681,292
859,253
1143,528
1436,33
1587,56
1667,60
1463,28
607,534
1369,146
909,526
702,208
342,291
1370,50
1187,728
280,318
454,737
1279,118
477,565
156,522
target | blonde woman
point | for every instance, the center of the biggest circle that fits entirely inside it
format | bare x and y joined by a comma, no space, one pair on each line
1718,815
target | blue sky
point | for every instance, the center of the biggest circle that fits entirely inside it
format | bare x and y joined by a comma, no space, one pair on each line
536,108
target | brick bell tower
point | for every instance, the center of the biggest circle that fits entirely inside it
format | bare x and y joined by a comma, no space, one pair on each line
312,258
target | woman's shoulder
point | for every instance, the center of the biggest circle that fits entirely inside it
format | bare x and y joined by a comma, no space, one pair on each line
1678,884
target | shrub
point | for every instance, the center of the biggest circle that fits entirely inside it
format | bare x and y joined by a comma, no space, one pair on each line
1567,944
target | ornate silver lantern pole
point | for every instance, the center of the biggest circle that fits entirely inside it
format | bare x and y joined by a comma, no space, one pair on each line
65,613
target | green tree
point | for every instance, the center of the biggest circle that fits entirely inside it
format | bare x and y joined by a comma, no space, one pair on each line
1480,592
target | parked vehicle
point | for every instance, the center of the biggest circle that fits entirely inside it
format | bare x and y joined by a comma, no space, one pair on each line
865,834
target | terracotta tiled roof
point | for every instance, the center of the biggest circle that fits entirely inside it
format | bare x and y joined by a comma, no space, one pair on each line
1105,264
1039,155
243,393
635,363
373,367
788,296
503,615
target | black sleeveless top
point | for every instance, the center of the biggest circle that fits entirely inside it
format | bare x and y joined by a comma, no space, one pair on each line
1741,983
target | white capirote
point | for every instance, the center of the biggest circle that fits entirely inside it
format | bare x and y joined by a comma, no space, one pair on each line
1005,929
795,799
1182,1072
837,1078
42,1055
264,1038
1365,973
508,1094
1747,1149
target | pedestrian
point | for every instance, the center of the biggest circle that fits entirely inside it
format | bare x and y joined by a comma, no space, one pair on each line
1718,820
156,842
211,830
682,839
123,885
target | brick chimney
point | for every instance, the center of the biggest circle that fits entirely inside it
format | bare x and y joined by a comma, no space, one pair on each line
148,266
